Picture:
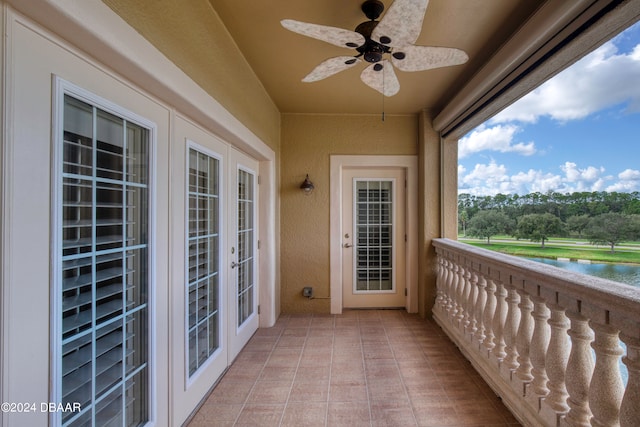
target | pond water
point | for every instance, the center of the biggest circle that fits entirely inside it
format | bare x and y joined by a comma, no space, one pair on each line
623,273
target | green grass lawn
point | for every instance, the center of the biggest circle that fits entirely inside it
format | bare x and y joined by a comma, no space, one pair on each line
588,252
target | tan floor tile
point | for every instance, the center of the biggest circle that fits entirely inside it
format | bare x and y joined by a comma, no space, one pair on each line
391,390
291,341
253,357
244,371
314,373
438,416
216,415
318,342
365,367
309,357
305,414
270,392
314,391
391,414
295,332
348,392
347,373
322,323
278,373
347,414
232,392
260,414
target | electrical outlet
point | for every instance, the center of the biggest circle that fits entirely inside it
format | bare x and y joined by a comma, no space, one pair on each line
307,291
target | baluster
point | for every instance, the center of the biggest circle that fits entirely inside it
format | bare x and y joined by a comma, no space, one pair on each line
479,309
499,319
448,288
455,283
579,371
473,327
466,301
539,345
511,328
489,311
630,408
523,340
556,362
440,282
605,390
462,285
446,283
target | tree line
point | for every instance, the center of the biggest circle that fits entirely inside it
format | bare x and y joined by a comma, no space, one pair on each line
601,217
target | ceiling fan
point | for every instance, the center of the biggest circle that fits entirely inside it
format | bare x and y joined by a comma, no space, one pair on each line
384,44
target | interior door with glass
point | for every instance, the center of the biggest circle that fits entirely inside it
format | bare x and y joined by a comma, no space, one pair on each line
243,235
373,244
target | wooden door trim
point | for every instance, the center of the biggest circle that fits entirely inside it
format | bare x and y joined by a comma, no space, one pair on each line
337,164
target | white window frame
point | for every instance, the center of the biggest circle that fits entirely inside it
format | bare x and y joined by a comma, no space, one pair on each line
256,265
222,312
61,88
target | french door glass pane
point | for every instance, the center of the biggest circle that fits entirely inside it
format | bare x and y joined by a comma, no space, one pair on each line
245,276
203,258
374,230
103,340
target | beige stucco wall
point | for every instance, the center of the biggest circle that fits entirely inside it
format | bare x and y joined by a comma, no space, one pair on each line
307,143
195,39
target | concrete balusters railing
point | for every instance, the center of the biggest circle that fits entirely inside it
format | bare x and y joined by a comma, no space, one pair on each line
548,341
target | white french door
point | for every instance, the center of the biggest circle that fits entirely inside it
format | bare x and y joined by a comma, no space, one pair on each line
373,240
242,255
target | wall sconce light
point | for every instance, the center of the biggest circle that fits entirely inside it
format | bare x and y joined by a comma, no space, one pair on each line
307,186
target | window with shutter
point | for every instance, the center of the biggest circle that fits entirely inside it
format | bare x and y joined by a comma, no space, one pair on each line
203,280
101,331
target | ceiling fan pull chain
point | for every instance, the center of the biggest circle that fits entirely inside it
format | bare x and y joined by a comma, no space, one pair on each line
383,95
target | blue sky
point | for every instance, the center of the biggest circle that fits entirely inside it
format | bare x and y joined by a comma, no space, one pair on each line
580,131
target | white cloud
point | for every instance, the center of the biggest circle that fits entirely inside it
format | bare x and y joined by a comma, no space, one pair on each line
629,175
491,179
629,181
496,138
600,80
588,175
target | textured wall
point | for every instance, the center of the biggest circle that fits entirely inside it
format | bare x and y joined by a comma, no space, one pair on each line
195,39
307,143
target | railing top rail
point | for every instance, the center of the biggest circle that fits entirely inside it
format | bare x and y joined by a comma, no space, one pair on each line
617,298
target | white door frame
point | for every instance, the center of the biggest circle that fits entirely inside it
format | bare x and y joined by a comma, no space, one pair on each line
337,164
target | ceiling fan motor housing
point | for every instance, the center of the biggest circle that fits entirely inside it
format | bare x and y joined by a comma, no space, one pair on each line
372,51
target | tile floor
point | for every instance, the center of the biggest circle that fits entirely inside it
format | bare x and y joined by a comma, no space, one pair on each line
361,368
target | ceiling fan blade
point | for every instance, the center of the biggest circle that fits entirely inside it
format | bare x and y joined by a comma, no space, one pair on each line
382,79
401,24
330,67
333,35
420,58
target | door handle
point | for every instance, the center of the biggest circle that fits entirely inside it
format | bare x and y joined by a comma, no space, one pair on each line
347,245
234,264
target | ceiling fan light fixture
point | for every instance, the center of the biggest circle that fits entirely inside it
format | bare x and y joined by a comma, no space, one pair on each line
373,56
